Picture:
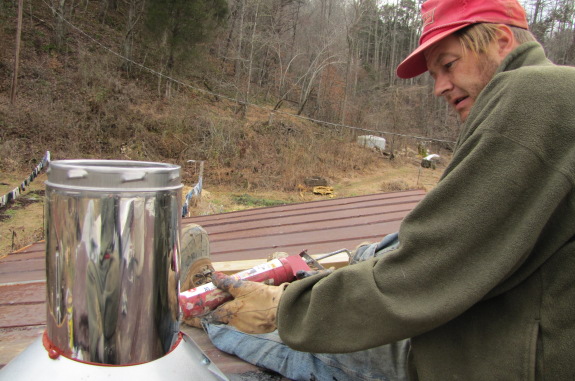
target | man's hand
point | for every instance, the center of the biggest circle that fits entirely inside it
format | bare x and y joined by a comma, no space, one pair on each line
253,309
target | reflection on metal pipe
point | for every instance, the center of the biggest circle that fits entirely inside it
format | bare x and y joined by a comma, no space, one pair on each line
111,259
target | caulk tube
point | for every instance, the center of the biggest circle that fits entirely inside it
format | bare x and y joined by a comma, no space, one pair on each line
205,298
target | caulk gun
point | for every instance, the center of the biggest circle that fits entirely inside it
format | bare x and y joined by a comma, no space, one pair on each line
205,298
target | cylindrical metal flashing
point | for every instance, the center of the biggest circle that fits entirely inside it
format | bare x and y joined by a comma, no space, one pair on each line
112,244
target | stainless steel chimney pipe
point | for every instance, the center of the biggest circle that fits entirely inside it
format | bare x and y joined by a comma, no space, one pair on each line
112,251
112,244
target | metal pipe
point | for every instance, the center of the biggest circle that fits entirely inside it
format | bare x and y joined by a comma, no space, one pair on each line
112,241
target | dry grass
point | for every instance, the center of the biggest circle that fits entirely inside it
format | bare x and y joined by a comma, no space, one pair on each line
22,221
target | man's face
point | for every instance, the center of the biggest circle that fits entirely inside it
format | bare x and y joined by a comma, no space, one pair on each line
460,77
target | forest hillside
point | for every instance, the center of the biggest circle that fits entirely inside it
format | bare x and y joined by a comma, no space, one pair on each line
266,92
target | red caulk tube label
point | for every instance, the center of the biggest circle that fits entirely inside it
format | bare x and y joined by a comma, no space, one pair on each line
205,298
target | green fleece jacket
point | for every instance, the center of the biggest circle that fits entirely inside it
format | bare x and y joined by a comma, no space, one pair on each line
484,279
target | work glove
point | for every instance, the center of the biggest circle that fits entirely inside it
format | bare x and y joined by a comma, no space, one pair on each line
253,309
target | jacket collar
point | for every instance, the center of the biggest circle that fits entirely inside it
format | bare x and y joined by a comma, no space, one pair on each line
527,54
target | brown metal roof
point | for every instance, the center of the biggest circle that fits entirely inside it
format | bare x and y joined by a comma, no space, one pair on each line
319,227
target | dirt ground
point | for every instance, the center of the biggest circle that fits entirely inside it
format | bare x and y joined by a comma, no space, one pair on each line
22,221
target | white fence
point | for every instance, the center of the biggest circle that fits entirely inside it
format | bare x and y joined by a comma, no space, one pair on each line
15,193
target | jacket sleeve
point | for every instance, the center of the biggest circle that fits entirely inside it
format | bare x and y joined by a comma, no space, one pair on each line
469,239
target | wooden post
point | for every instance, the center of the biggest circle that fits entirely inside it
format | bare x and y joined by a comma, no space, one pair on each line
17,54
201,180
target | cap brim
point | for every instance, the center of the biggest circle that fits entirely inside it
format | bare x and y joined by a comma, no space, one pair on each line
415,64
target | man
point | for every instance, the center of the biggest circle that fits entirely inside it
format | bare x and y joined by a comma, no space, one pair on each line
482,280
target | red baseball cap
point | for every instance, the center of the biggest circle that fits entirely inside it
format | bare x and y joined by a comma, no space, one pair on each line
443,17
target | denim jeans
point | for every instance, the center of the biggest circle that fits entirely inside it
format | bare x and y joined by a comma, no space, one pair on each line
387,362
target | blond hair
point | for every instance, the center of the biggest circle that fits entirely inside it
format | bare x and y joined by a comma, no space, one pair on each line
477,37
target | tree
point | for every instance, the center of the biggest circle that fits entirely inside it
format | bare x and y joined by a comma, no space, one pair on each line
176,27
133,17
553,24
561,35
60,10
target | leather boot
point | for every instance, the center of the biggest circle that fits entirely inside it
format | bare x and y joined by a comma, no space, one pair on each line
195,263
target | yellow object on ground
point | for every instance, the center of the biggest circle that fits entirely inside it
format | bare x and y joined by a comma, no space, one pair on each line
323,190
